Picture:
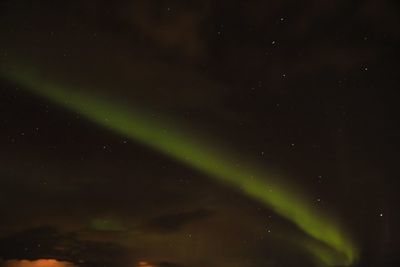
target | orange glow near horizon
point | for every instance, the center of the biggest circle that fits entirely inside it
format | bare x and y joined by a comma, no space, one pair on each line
38,263
144,264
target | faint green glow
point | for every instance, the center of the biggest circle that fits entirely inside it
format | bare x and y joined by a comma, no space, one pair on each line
109,224
331,246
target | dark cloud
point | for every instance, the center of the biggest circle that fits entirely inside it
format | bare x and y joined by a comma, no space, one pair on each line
49,243
175,222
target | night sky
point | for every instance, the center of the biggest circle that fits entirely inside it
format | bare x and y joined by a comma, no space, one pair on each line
199,133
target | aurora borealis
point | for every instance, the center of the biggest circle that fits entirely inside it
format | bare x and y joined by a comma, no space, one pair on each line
185,149
175,135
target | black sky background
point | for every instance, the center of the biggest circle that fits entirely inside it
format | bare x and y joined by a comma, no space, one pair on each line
306,88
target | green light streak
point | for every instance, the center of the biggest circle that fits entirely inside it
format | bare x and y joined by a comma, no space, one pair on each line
331,246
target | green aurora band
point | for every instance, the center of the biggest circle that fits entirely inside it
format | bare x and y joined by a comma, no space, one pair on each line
328,243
